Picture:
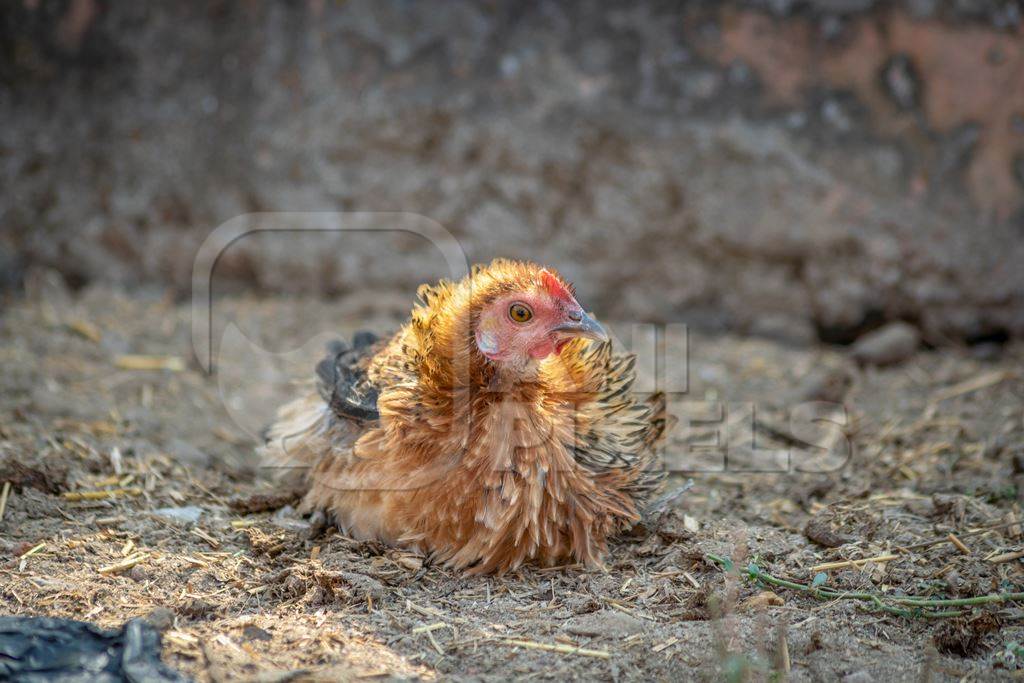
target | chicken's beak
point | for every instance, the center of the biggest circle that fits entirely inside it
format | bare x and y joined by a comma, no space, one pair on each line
582,325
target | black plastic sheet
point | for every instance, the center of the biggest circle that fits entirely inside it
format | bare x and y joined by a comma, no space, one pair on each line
35,649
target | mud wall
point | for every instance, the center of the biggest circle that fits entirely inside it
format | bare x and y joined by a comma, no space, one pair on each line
799,169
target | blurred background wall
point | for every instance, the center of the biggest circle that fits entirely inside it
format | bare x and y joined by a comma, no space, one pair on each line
805,170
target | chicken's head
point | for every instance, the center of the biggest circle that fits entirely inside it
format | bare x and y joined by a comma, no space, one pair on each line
533,321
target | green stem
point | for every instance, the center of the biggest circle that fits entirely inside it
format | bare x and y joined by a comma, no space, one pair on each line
921,607
980,600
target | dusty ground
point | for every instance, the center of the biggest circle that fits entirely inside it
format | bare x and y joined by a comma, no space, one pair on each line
937,447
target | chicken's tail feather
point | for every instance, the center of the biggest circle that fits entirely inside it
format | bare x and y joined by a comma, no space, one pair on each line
661,421
323,423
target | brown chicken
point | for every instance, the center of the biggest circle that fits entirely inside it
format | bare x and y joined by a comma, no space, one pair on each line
496,427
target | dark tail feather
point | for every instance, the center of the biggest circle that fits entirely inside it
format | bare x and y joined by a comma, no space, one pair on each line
660,419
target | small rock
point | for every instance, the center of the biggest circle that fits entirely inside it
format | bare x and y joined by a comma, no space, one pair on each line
760,601
953,583
922,507
824,384
819,529
605,623
251,632
901,82
952,505
888,345
161,618
138,574
858,677
364,586
187,515
196,609
965,636
287,518
50,479
834,114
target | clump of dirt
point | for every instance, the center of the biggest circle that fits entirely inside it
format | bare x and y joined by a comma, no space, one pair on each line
52,479
965,636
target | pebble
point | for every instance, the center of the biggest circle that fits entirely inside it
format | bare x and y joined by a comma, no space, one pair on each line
901,81
887,345
251,632
287,518
189,514
607,623
161,618
824,384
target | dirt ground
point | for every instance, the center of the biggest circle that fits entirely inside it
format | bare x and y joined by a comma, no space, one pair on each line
134,493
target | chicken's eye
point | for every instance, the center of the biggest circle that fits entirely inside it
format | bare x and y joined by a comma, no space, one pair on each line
520,313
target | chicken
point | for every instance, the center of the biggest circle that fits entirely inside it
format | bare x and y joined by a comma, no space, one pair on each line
496,427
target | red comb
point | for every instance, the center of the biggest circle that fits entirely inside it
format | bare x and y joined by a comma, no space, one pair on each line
554,286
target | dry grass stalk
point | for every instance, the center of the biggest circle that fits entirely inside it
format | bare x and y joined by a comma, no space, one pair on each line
560,568
108,521
980,382
32,551
213,542
141,362
662,646
430,627
557,647
117,461
626,609
844,564
959,544
180,638
1006,557
782,638
86,329
3,499
102,495
123,565
1013,530
961,535
425,611
434,643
